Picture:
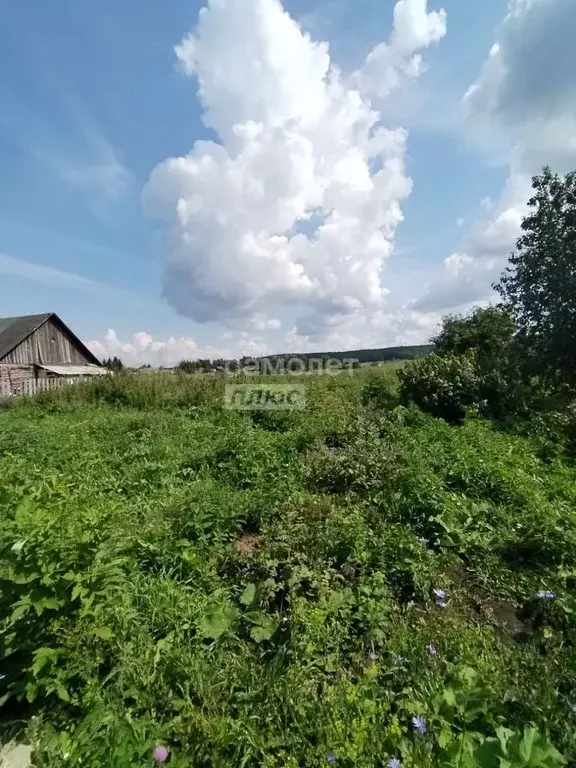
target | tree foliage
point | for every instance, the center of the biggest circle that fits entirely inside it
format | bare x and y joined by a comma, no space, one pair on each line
524,351
113,364
539,285
489,331
188,366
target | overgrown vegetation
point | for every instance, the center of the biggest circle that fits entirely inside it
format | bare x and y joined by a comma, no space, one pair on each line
359,584
267,589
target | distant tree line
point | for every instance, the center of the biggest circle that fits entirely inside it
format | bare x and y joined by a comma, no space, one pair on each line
383,354
113,364
307,360
379,355
207,366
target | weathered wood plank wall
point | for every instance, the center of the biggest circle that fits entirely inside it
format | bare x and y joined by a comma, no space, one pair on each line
17,381
47,345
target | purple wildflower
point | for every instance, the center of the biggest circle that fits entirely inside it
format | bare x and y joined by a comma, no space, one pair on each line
440,598
546,594
331,758
395,763
431,650
160,755
419,724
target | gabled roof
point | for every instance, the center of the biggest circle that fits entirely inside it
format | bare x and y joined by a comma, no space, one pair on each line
14,330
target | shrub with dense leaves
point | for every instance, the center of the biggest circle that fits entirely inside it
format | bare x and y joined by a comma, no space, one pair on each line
445,386
488,331
380,393
365,459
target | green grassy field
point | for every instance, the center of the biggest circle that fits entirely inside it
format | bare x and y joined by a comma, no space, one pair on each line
388,366
352,584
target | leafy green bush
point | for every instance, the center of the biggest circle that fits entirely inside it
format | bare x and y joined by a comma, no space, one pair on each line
378,392
491,376
445,386
365,461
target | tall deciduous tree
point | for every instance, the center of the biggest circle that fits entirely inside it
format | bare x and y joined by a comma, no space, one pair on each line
539,285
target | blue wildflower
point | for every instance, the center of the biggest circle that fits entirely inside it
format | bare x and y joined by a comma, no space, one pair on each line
394,763
431,650
419,724
546,594
573,708
396,659
331,758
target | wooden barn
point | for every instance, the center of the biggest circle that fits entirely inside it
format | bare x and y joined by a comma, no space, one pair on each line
39,352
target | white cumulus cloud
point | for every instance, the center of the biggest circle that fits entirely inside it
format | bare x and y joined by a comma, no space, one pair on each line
522,109
468,274
143,349
298,200
391,63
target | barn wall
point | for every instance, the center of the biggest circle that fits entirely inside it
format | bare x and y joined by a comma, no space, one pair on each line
14,378
21,380
48,344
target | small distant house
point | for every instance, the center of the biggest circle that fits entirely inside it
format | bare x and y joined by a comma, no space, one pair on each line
40,352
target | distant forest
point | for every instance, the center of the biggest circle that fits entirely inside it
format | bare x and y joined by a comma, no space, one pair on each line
384,354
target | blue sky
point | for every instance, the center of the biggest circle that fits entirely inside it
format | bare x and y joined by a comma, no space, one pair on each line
94,98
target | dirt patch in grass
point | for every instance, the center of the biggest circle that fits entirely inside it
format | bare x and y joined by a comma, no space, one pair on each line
504,617
246,545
